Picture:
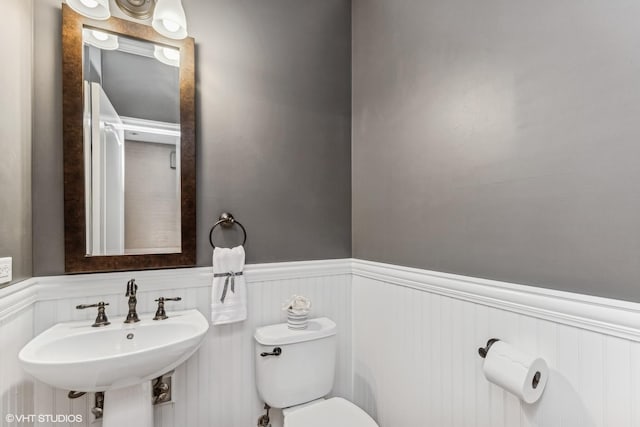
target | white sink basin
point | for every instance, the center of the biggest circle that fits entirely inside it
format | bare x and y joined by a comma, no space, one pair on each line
76,356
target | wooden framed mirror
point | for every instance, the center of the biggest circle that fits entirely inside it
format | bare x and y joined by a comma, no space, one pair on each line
129,146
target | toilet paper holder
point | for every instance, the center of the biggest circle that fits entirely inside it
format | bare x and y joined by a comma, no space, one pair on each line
483,351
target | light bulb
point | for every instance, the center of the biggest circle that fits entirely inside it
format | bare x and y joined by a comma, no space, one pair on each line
99,35
94,9
172,54
89,3
170,25
100,39
167,55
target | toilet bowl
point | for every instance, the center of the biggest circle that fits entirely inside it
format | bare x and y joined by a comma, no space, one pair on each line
334,412
295,371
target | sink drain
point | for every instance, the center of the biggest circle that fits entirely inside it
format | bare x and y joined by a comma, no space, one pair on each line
129,336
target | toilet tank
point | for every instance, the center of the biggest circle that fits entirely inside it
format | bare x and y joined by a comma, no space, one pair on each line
304,370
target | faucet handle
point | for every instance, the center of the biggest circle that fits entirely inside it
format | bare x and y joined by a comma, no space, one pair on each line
101,319
100,304
160,313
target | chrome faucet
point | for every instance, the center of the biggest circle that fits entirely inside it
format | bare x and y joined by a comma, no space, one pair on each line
132,289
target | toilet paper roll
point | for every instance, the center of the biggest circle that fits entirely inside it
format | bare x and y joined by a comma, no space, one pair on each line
520,374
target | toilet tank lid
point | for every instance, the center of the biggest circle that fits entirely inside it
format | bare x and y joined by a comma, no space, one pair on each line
280,334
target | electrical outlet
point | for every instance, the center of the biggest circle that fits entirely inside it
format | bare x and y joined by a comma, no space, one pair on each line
5,269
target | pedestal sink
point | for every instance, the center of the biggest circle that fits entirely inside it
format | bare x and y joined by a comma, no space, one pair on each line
119,359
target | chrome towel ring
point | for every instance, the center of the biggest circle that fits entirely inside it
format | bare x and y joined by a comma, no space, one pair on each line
226,220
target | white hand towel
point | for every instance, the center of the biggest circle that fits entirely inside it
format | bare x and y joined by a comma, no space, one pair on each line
229,289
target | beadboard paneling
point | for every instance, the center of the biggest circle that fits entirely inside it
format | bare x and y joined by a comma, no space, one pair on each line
16,387
608,316
216,386
407,345
416,362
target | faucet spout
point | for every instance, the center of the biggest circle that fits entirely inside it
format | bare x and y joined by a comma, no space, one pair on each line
132,289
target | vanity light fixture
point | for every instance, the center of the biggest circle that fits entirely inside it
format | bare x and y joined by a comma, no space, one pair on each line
167,55
168,17
94,9
100,39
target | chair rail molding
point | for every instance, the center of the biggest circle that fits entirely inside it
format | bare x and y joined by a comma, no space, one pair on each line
18,296
606,316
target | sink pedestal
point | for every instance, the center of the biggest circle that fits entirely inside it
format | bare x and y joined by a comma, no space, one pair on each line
128,407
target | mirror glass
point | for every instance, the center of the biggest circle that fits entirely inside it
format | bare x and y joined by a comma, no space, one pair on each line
131,142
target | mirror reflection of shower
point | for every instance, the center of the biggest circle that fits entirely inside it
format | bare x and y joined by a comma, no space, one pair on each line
132,146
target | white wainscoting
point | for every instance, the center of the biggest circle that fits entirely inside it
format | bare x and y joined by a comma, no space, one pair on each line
416,335
216,386
408,345
16,387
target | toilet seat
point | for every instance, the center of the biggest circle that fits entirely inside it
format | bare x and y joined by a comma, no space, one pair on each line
334,412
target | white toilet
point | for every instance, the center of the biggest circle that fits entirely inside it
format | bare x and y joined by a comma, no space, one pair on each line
295,370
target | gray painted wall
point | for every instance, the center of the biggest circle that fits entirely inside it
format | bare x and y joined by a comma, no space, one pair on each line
500,139
15,135
141,87
273,134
